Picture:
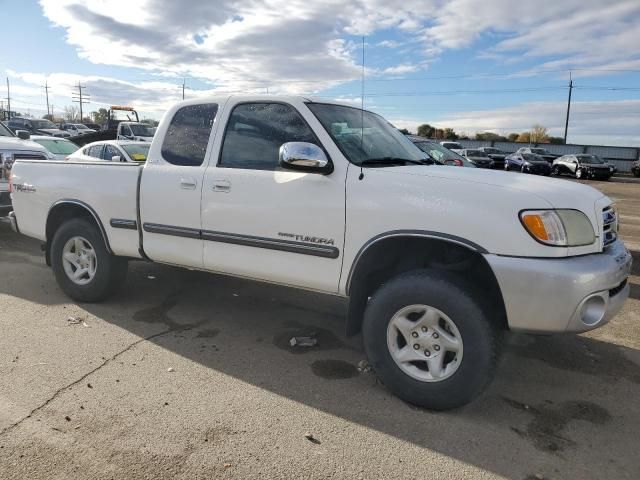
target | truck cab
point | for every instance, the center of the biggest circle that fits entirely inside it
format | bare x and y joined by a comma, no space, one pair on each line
136,131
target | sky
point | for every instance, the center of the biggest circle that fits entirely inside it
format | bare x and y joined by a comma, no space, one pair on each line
472,65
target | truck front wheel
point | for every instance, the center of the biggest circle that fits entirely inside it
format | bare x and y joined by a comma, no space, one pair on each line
429,340
82,266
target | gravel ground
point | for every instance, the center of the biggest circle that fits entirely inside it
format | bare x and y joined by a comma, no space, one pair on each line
187,375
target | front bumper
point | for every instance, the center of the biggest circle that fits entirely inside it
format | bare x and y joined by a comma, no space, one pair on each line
537,169
572,294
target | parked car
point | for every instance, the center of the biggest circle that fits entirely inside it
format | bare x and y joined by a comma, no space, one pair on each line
496,155
93,126
76,129
635,169
543,152
13,148
435,262
477,157
36,127
583,166
440,154
527,163
59,148
113,151
455,146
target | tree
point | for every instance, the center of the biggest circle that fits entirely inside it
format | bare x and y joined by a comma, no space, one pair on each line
100,116
490,136
48,117
539,134
404,131
524,137
513,137
556,140
150,121
426,130
450,134
71,112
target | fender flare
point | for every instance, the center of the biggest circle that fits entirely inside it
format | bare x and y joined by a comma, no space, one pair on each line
88,208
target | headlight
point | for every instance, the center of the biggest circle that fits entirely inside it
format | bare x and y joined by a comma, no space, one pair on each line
559,228
527,164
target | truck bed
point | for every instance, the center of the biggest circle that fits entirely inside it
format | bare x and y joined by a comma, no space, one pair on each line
110,189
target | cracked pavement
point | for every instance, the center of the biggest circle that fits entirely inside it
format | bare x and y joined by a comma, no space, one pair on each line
190,376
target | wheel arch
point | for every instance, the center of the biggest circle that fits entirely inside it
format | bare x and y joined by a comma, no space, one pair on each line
66,209
393,253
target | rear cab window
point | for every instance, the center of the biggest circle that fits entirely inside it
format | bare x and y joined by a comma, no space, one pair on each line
185,142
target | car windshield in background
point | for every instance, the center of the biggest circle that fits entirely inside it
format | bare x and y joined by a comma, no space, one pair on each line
364,135
40,124
476,153
590,159
138,153
441,154
79,126
142,130
4,131
532,157
452,145
58,147
492,150
539,151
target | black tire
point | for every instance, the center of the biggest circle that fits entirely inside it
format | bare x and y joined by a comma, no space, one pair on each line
110,273
554,170
481,338
579,174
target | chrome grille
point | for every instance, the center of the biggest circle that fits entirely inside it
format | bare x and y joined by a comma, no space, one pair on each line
610,226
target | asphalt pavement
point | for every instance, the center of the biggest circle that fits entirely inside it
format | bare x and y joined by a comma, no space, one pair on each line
189,375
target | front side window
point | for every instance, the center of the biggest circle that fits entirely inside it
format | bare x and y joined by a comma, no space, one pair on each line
185,142
4,131
256,131
109,152
362,135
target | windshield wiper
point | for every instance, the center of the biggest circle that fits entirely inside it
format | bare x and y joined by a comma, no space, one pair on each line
394,161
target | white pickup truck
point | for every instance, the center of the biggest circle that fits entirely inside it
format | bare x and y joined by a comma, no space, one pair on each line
437,262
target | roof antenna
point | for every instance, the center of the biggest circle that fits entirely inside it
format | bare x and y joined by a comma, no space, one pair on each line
361,176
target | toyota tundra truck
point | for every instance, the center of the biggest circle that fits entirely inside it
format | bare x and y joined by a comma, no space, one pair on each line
437,262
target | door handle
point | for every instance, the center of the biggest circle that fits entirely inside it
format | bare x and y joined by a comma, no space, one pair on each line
188,183
223,186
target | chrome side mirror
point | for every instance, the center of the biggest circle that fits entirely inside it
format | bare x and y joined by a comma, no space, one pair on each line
304,156
116,158
23,134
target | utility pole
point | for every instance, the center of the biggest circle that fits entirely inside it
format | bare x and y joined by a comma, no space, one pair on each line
566,123
183,82
46,91
80,98
8,101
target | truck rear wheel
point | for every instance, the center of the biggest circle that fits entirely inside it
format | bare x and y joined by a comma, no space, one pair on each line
82,266
429,340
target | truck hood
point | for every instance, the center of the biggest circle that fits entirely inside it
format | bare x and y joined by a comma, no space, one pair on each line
14,143
558,193
54,132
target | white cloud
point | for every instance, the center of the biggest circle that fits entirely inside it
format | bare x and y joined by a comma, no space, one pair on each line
605,122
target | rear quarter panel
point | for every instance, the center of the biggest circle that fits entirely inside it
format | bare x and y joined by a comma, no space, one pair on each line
109,188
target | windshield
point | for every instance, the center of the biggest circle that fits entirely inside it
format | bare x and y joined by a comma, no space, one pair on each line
590,159
142,130
374,139
539,151
452,145
39,124
57,147
441,154
138,153
4,131
476,153
491,150
532,157
79,126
